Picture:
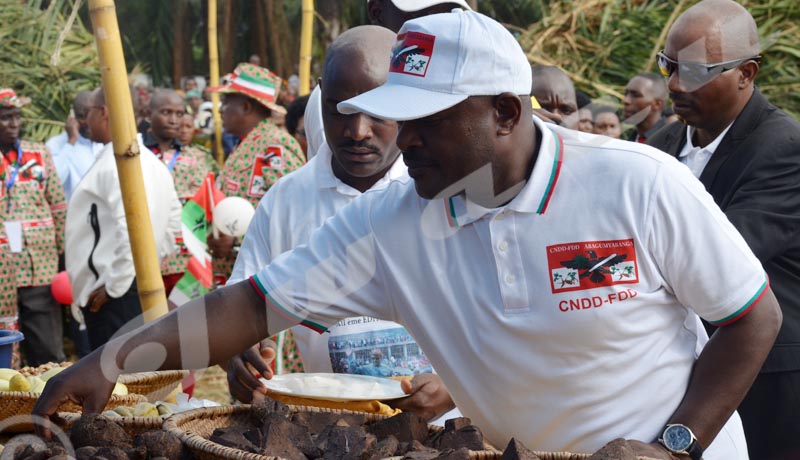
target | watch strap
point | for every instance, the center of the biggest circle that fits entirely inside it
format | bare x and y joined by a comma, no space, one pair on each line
694,451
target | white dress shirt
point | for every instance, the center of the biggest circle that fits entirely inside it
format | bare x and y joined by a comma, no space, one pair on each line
696,158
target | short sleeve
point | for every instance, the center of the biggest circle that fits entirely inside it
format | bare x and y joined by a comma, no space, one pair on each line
703,258
336,275
256,251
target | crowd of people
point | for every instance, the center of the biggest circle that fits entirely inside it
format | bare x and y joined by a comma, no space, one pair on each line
435,190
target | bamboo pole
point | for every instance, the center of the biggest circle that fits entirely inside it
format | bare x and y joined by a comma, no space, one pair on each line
126,153
213,62
306,37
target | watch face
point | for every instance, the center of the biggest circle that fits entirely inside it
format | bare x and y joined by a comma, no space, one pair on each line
677,437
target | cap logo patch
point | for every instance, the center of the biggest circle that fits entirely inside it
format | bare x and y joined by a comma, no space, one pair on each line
591,264
412,53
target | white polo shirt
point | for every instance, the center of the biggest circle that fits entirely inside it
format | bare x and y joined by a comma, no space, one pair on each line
569,362
287,215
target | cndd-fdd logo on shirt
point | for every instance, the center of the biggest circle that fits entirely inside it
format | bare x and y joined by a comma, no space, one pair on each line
412,53
591,264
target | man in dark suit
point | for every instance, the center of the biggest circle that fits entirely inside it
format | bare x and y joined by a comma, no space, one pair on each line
643,105
747,154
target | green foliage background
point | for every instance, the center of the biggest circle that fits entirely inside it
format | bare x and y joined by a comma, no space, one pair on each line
600,43
29,33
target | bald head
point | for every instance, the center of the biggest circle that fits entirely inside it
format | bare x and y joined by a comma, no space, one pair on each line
363,148
162,97
82,102
715,31
712,33
367,45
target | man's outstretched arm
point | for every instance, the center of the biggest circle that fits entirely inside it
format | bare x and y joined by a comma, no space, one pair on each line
203,332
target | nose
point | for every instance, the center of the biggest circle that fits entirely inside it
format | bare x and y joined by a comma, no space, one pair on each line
358,127
407,135
626,100
674,84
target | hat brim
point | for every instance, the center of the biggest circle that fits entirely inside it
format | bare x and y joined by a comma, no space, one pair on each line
400,102
225,89
410,6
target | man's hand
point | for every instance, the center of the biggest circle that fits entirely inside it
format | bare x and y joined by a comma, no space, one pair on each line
653,450
220,246
243,369
82,383
97,299
72,127
428,398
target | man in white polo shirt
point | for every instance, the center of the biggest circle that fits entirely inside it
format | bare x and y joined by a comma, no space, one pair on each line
359,155
553,277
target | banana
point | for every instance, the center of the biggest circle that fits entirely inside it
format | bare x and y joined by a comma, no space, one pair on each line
47,375
145,409
120,389
6,374
123,411
111,414
19,383
164,409
37,384
3,385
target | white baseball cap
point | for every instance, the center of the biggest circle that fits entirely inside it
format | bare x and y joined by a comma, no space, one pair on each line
416,5
439,61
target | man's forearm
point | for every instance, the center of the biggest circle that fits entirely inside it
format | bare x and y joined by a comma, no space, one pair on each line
727,368
201,333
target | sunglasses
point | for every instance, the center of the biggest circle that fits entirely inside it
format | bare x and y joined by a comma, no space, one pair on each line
695,74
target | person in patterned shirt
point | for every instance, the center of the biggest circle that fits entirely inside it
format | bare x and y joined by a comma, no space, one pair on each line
186,163
32,209
265,153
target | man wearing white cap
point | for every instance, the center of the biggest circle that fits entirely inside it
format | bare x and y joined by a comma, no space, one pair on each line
539,268
385,13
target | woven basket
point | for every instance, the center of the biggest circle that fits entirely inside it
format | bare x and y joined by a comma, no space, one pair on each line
195,426
21,402
131,425
155,386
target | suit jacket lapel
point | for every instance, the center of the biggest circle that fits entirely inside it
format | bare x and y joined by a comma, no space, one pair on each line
676,138
725,153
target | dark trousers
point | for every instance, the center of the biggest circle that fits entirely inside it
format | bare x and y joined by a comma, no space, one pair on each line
114,314
40,320
771,417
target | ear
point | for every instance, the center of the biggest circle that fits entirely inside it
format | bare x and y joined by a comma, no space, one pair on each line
508,110
658,105
248,105
374,11
747,74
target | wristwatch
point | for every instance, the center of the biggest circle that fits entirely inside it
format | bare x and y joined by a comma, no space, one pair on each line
680,440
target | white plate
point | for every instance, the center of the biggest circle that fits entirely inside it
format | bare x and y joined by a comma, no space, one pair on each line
335,387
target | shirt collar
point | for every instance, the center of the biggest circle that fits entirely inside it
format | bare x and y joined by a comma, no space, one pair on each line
534,196
325,178
710,148
151,143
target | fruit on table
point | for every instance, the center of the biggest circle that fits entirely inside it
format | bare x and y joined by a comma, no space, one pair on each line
6,374
47,375
120,390
19,383
12,380
143,409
